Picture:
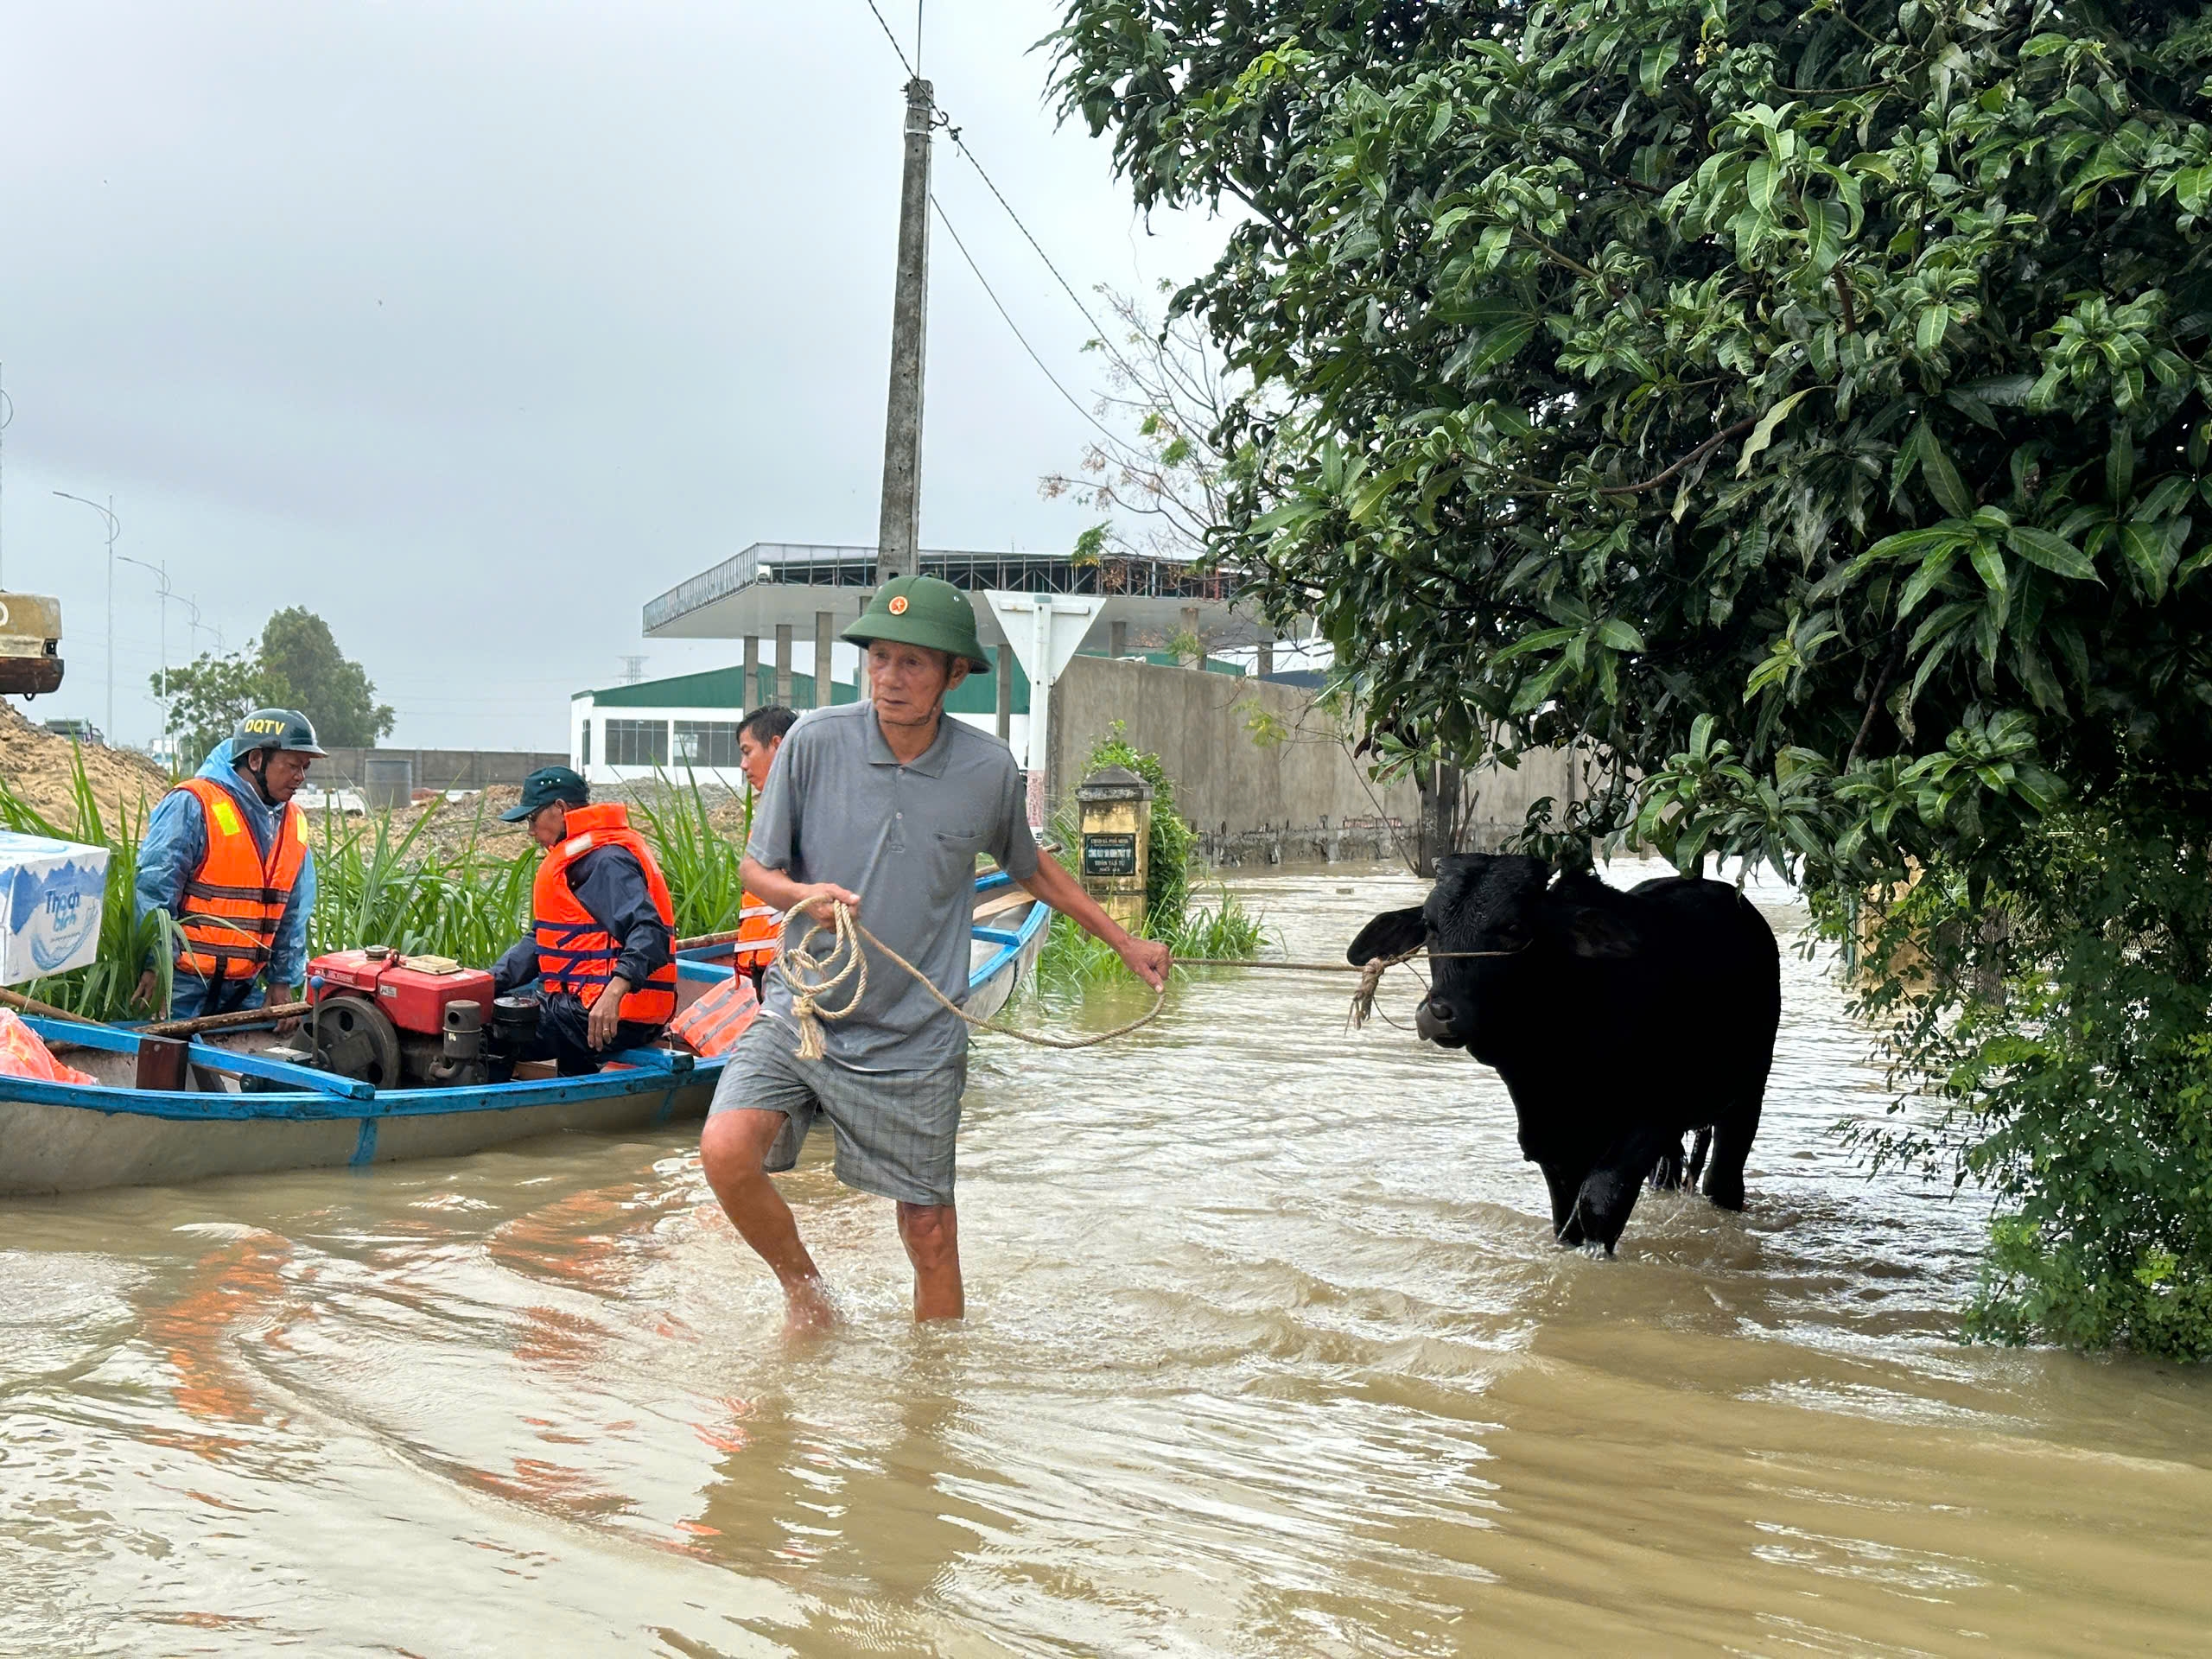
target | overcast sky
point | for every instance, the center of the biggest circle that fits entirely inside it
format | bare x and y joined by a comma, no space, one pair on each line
473,325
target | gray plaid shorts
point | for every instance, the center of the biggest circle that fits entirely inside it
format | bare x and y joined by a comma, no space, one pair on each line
895,1129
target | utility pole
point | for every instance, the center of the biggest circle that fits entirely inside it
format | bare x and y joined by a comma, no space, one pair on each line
161,571
899,535
7,414
114,526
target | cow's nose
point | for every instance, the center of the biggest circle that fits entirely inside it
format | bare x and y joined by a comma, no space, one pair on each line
1434,1023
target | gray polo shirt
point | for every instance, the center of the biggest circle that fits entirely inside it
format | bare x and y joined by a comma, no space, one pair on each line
840,808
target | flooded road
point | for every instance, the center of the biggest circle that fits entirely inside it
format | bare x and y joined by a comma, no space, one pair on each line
1269,1352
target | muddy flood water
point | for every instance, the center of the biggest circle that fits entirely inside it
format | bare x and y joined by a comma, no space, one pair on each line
1269,1352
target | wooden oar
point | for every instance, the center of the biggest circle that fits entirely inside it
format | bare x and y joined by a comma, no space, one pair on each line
32,1005
166,1028
260,1016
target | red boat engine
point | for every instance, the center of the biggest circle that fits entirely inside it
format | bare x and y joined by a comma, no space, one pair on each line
392,1021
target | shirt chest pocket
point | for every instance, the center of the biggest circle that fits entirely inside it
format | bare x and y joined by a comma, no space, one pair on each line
952,861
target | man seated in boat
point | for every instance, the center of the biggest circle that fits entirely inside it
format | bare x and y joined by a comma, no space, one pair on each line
225,854
758,737
602,946
882,807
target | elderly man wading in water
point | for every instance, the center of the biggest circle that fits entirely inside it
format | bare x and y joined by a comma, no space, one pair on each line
883,806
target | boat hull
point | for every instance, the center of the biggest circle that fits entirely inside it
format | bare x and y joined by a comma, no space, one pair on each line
73,1138
49,1148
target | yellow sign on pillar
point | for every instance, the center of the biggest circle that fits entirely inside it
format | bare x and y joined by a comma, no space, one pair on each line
1115,809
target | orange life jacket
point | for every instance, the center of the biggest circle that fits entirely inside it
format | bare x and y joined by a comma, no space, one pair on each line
759,927
713,1024
235,899
574,953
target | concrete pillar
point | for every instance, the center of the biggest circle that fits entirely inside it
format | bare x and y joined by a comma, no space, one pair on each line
751,698
899,535
860,675
1002,671
783,663
825,635
1117,638
1266,662
1191,627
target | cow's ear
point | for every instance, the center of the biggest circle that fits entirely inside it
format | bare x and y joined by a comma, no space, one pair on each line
1392,934
1599,933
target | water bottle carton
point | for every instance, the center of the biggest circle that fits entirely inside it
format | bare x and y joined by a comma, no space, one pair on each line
51,896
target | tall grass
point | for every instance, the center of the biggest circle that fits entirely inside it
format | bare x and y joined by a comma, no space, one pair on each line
699,865
375,885
377,881
1071,960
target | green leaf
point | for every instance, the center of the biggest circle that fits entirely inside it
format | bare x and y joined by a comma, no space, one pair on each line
1370,495
1932,570
1907,543
1544,639
1501,344
2054,553
1989,565
2145,546
1943,480
1762,434
1617,635
1653,69
1760,185
1927,334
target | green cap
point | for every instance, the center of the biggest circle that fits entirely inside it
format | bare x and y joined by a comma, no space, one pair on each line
546,785
926,611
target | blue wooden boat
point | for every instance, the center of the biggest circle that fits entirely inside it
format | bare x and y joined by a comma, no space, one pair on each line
73,1137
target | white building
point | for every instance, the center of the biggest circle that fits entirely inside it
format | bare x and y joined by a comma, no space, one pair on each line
688,722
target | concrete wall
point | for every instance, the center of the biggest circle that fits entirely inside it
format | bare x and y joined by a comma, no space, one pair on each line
441,768
1303,797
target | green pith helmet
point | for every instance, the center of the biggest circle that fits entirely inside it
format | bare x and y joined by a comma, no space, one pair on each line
926,611
275,728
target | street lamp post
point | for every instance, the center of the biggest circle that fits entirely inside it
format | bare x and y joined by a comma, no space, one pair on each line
114,529
161,571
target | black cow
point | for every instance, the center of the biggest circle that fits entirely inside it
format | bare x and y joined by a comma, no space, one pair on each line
1620,1021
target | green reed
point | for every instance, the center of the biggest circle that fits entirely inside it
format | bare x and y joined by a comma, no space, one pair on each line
1072,960
377,881
698,863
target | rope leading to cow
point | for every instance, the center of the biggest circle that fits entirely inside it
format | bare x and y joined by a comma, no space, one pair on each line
815,978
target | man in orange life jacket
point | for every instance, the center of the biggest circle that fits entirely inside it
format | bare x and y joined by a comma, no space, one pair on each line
759,736
602,944
225,854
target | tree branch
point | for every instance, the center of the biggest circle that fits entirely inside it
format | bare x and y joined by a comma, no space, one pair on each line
1874,702
1697,454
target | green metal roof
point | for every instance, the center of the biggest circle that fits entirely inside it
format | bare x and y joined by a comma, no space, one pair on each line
724,688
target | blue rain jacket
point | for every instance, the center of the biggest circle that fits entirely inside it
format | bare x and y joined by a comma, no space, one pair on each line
177,841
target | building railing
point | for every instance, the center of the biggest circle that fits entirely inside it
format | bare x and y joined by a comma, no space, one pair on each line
830,566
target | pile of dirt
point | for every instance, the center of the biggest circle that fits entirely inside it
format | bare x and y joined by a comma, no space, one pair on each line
40,769
453,824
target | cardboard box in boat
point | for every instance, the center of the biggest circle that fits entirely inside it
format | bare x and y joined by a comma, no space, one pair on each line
53,891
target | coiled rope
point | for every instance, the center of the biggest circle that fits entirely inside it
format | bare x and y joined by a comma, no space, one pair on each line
813,978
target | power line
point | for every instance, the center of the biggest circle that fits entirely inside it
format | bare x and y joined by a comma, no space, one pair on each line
960,144
912,73
1073,402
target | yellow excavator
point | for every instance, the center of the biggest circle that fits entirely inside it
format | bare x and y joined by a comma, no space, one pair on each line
30,645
